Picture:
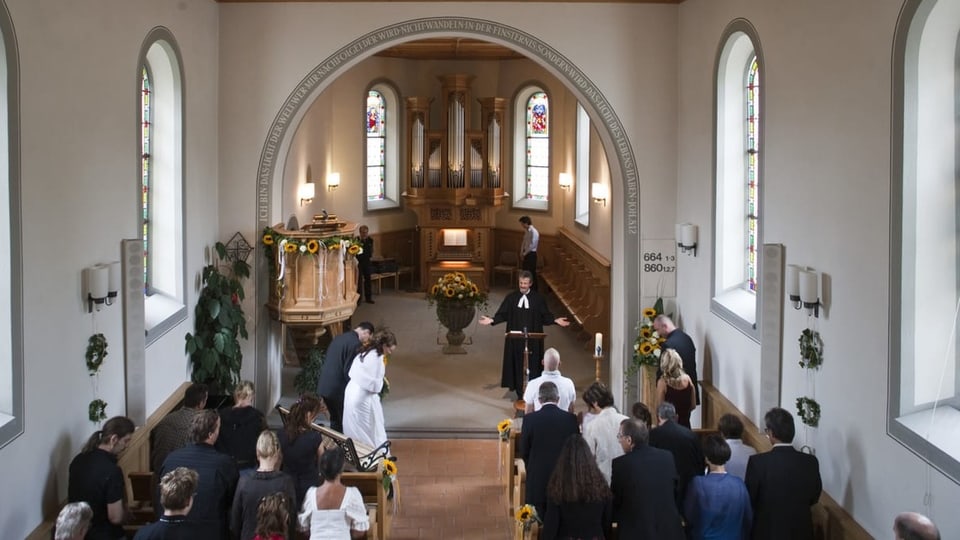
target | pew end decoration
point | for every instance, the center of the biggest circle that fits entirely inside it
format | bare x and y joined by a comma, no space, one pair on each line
526,516
503,428
646,347
389,472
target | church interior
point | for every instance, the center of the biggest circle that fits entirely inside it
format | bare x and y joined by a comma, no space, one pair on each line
736,158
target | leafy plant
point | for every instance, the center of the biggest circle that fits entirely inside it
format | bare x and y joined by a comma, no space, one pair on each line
219,323
811,349
808,410
96,352
97,410
306,380
646,347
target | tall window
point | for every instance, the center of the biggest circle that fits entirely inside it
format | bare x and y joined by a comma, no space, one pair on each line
924,388
160,182
145,123
582,189
737,202
382,155
532,149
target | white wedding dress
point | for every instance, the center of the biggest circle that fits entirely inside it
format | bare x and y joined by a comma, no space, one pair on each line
362,410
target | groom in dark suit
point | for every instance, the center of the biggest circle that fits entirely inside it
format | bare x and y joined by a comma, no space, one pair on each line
541,438
644,483
783,483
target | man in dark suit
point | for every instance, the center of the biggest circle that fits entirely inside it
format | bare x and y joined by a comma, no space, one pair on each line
679,341
217,476
364,284
541,439
783,483
682,443
644,484
333,379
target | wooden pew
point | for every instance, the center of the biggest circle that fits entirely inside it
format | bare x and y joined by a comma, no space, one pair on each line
579,277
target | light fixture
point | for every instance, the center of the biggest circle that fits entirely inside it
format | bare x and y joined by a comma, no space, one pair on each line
113,282
97,281
803,288
686,236
306,192
600,193
333,181
566,181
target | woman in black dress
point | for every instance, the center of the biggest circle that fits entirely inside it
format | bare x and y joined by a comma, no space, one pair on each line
301,445
240,426
266,480
579,502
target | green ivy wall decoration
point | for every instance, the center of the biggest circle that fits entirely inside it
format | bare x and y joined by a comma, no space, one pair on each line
811,349
96,352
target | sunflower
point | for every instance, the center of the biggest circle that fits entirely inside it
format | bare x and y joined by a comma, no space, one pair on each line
474,289
646,332
290,247
449,292
353,249
313,246
646,348
389,467
504,425
333,246
434,290
524,513
268,239
649,313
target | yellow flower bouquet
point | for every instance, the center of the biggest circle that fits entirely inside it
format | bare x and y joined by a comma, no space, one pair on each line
456,288
389,472
527,516
646,347
503,428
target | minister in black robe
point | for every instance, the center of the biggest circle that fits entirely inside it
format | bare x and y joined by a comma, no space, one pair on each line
524,308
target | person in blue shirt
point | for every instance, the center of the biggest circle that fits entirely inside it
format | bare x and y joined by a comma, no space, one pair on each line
717,504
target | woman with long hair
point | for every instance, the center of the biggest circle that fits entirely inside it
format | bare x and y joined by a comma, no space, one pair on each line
579,501
334,511
240,426
267,479
273,517
362,410
96,478
676,386
300,444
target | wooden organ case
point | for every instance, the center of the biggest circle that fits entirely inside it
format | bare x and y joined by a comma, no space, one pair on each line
455,181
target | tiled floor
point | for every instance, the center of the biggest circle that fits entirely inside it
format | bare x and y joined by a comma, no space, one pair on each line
450,489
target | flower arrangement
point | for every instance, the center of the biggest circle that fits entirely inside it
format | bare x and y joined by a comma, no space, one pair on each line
811,349
389,472
312,246
808,410
456,288
646,347
503,428
527,516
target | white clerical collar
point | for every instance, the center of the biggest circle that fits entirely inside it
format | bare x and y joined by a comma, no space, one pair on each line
523,303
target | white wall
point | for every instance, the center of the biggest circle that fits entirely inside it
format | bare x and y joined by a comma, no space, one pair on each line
826,197
78,96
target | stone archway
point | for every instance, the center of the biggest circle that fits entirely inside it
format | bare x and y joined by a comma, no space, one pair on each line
619,151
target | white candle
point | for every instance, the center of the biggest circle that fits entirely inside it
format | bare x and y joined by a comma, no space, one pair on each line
598,347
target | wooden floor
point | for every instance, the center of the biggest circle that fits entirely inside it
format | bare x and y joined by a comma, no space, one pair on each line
449,489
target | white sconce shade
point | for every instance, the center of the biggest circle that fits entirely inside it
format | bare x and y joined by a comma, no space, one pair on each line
600,192
97,281
306,192
793,282
566,181
333,181
809,288
113,281
686,236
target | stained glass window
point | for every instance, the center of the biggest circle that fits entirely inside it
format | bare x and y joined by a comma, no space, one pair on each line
538,147
145,133
753,170
376,145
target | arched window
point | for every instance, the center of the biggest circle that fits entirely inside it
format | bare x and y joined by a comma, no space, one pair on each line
160,182
925,249
382,155
582,189
11,293
531,184
737,189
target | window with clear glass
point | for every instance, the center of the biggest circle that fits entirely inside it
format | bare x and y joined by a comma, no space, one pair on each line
582,184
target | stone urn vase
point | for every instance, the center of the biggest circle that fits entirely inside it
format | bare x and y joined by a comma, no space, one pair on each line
455,317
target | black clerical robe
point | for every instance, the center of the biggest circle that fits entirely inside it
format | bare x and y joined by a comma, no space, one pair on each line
533,318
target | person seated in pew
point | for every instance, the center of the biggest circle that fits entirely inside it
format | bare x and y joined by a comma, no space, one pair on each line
301,445
73,521
273,517
240,426
333,510
717,504
177,490
266,480
173,431
551,372
96,479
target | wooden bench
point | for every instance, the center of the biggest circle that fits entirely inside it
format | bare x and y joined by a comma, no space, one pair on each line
579,278
377,278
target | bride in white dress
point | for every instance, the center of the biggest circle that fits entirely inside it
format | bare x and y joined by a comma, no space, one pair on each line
333,511
362,410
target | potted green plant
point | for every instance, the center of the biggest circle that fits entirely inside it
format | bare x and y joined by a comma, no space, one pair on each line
219,323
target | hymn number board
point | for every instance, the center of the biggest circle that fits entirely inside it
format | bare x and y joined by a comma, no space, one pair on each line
658,268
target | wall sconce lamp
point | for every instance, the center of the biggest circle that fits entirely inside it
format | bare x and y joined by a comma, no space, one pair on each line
686,235
803,288
102,283
566,181
333,181
306,192
600,193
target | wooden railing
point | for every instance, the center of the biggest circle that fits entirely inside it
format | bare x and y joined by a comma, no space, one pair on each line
580,279
136,458
830,520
